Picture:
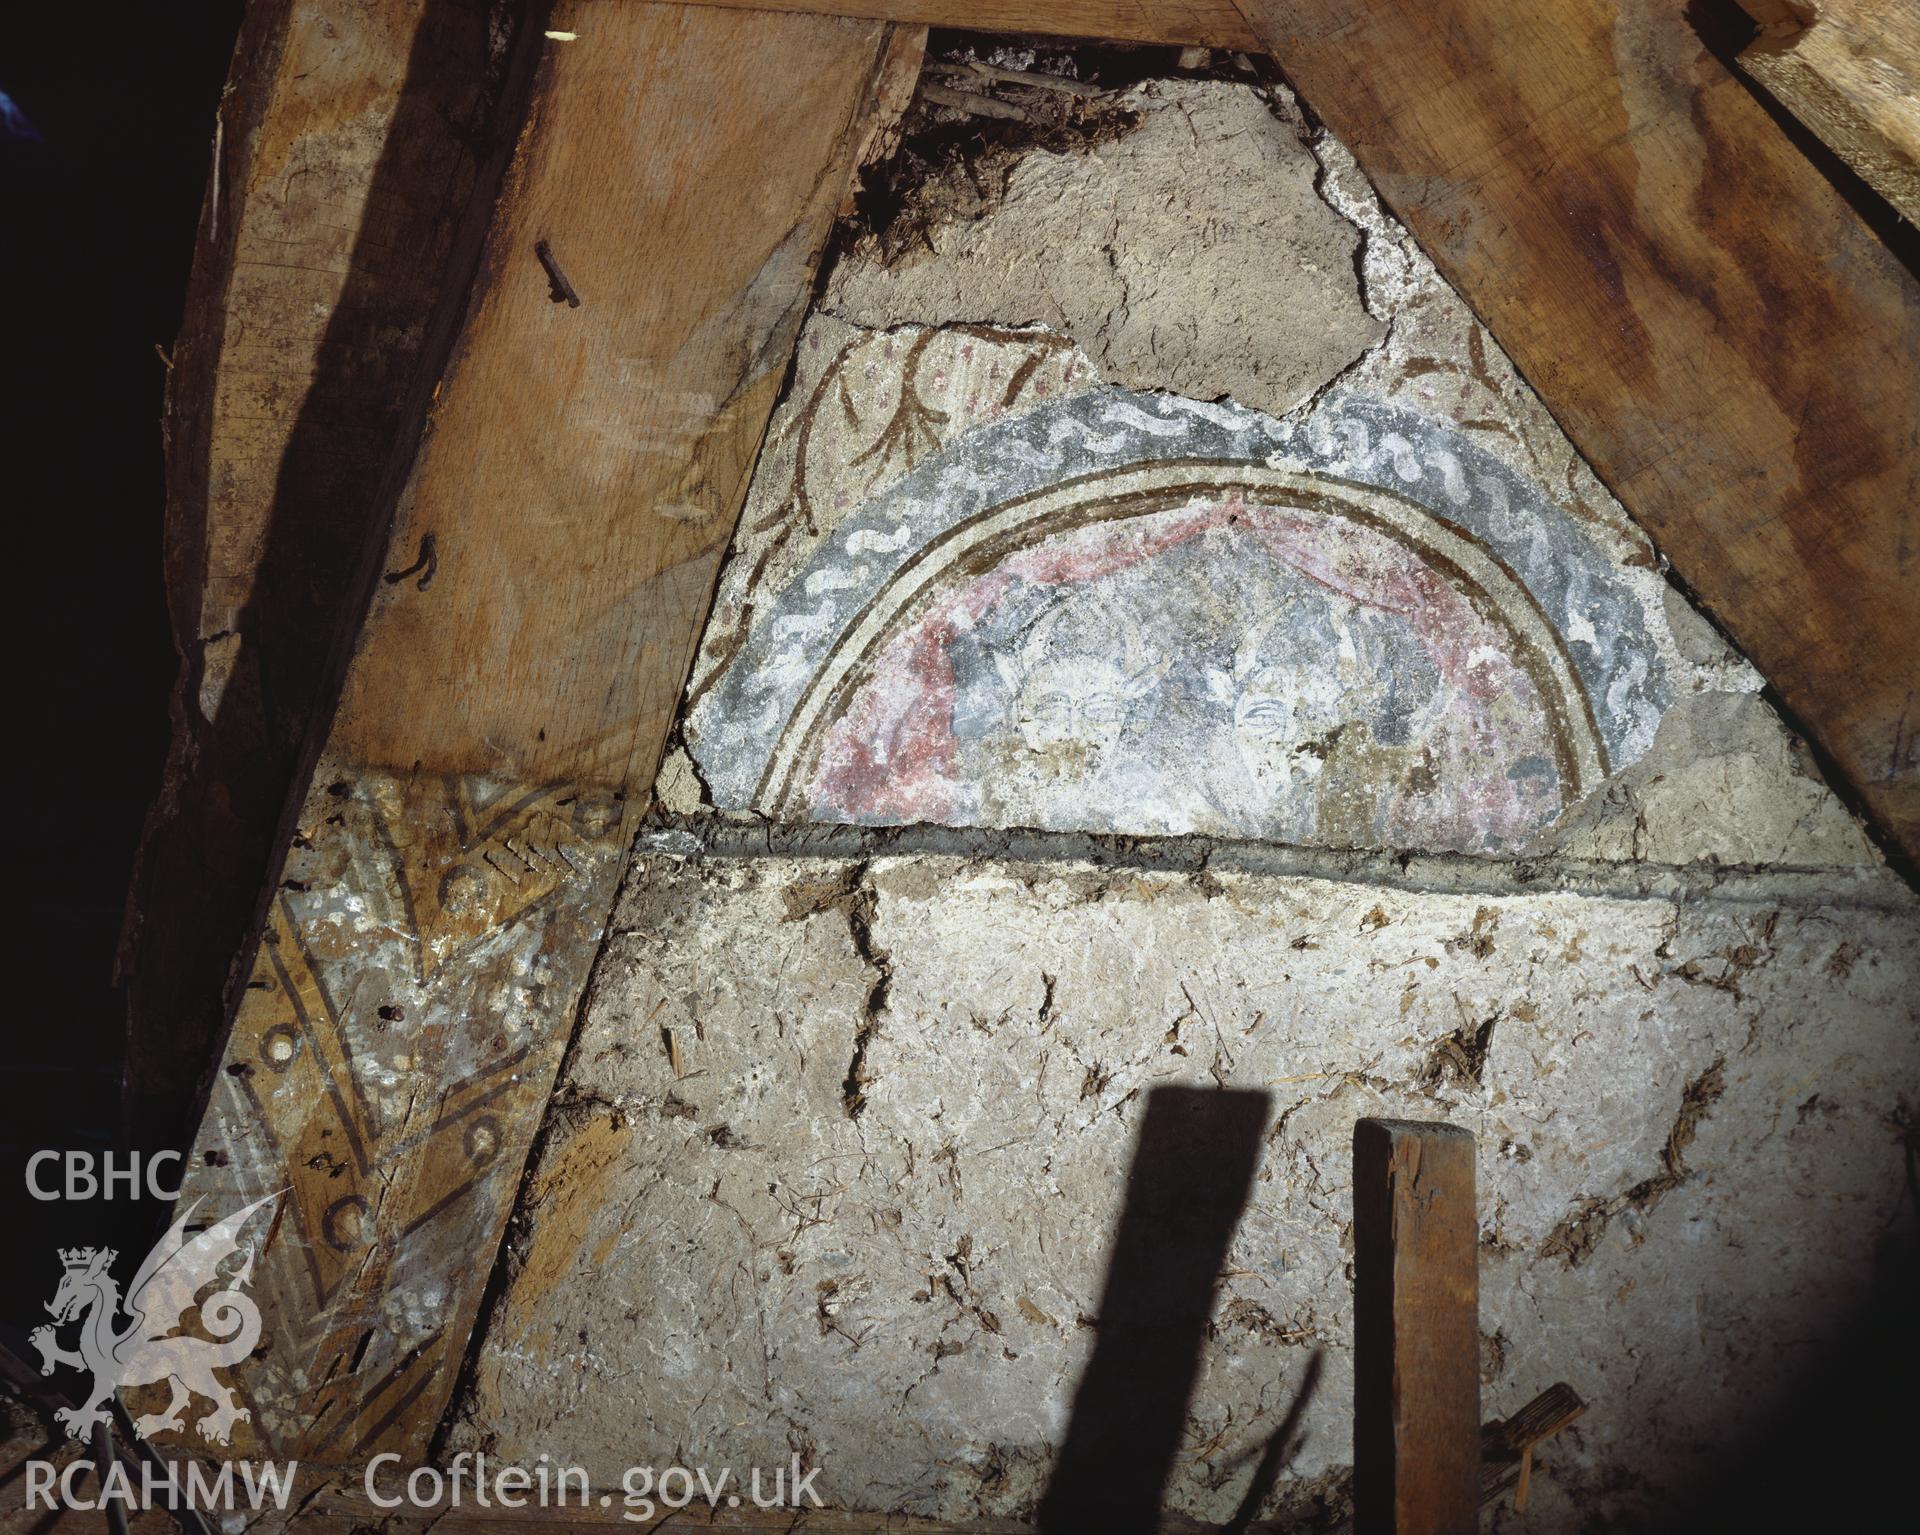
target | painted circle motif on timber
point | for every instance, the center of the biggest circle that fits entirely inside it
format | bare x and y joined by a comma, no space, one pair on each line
1136,613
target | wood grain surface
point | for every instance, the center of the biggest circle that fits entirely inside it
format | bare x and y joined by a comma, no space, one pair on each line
455,854
346,155
1208,23
1732,348
1416,1365
583,466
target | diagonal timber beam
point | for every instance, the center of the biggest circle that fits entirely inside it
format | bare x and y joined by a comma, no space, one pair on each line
1730,346
351,140
555,535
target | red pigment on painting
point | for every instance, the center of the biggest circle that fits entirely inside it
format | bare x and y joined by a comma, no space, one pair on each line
891,755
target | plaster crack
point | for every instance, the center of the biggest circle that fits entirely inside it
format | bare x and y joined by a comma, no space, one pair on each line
861,907
1576,1237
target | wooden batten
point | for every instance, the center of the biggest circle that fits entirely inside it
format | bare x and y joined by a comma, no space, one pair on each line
1203,23
1416,1353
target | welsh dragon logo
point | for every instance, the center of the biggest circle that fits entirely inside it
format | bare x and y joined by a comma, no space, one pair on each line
148,1347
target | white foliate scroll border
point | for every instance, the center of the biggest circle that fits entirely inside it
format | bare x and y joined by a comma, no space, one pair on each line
736,727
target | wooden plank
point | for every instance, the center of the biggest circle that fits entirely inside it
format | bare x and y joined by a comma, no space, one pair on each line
1733,350
658,388
1206,23
555,538
1506,1446
1416,1353
349,143
1849,70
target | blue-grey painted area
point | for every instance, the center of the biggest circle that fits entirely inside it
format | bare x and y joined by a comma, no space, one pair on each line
1597,614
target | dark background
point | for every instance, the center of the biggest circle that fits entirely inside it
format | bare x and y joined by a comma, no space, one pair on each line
97,224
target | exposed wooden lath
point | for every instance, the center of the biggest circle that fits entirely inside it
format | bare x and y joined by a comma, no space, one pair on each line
1208,23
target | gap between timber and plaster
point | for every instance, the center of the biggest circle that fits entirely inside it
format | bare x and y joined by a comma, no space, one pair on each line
1417,873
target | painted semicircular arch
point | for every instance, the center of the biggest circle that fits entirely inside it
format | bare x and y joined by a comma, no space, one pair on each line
1078,619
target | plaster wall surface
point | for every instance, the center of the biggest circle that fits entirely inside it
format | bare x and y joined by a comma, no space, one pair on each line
854,1198
1191,254
1077,719
1369,599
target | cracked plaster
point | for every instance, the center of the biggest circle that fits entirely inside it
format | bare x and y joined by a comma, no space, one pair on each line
842,1141
853,1199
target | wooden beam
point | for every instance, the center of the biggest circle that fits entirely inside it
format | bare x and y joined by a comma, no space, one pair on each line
555,536
1205,23
1732,349
349,143
1849,70
1416,1351
1507,1446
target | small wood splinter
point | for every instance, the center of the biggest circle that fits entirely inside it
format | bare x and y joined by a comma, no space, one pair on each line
562,290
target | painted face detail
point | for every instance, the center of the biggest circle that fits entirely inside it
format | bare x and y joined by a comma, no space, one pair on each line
1080,702
1070,708
1284,723
1310,672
